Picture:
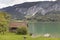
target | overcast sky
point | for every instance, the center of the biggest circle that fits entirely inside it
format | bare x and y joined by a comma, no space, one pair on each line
5,3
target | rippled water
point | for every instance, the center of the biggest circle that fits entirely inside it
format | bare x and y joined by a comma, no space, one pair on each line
45,27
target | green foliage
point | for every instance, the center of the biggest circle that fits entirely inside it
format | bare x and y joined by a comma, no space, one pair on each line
2,28
22,30
4,21
20,37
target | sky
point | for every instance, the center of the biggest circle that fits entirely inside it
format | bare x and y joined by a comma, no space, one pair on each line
6,3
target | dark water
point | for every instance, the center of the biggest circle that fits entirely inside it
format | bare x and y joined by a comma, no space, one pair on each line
45,27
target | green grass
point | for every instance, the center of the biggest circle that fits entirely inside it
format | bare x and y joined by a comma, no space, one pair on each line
20,37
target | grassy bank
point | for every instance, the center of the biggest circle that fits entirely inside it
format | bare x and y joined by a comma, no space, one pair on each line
20,37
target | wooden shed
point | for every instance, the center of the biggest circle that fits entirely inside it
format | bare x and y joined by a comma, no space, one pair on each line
15,24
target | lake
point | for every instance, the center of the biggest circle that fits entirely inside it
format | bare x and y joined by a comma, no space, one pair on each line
40,28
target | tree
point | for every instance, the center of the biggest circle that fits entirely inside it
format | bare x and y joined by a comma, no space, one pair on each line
4,21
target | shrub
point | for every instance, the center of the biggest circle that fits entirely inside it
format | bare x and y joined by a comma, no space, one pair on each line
2,29
4,21
22,30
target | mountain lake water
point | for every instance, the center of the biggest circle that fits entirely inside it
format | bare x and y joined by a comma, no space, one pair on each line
40,28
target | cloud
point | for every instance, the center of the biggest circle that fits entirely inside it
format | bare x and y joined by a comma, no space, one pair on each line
5,3
18,1
21,1
2,5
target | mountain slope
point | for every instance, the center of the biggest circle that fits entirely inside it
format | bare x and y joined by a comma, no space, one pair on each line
31,9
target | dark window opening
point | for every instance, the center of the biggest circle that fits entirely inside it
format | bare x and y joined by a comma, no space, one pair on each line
13,29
